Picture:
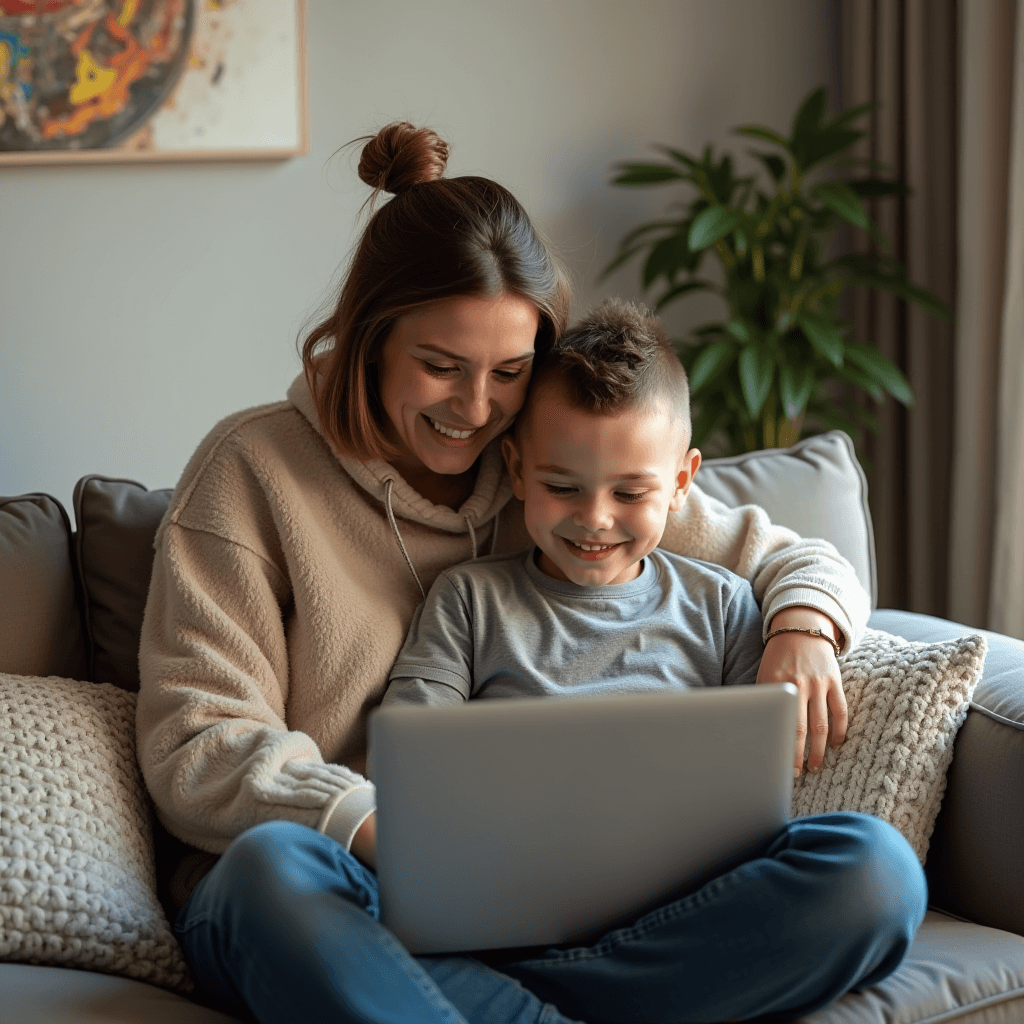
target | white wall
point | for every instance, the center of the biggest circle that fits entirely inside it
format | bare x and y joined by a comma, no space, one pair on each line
139,304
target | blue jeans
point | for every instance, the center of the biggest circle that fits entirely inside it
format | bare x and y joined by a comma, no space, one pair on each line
286,924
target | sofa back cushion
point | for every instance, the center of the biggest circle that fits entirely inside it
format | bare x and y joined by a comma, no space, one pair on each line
117,520
40,623
816,488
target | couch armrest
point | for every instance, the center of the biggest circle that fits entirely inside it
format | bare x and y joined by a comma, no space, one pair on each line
975,860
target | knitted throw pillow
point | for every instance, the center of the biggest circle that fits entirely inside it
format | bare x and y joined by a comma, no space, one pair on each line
906,701
77,880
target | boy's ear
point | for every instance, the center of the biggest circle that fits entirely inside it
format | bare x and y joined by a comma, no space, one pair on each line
514,462
687,471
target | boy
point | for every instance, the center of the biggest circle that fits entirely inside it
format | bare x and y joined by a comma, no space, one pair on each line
600,456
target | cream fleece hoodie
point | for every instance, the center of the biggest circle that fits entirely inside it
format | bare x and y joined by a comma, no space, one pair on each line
282,592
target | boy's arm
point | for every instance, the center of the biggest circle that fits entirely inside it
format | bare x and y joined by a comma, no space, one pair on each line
435,664
421,693
743,643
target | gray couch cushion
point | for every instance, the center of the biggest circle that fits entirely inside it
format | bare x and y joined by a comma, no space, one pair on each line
816,488
57,995
976,861
954,971
116,520
40,624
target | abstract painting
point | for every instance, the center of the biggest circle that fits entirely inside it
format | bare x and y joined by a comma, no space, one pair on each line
129,80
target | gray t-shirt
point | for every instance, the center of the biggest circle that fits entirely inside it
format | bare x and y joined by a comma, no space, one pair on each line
499,627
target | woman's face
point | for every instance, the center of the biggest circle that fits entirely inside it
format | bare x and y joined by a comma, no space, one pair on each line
453,377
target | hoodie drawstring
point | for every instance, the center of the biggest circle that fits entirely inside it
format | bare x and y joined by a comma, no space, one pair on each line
494,536
472,534
388,485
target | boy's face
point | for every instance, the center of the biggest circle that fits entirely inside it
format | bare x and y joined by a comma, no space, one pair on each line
598,489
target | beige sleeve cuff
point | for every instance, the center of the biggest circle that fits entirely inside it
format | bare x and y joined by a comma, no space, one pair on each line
818,600
342,818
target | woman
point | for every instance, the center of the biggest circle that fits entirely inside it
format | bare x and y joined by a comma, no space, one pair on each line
298,544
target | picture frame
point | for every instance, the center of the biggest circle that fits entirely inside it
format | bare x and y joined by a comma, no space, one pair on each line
137,81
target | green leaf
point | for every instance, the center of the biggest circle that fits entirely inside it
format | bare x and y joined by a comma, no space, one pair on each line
715,358
826,144
623,257
707,330
880,370
824,335
707,422
844,117
810,116
710,225
775,165
687,161
755,131
654,225
682,289
841,199
870,188
856,377
757,370
646,174
667,258
870,270
795,385
738,329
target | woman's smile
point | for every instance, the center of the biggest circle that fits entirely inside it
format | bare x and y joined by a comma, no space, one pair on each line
454,374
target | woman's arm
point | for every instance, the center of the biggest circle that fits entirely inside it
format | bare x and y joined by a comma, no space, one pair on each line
798,582
785,570
213,743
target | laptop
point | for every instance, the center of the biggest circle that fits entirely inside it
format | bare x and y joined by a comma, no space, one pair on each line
544,821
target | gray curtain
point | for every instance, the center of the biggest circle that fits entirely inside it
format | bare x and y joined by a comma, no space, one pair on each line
988,347
932,467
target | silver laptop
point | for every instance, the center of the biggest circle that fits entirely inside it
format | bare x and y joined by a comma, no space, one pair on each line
541,821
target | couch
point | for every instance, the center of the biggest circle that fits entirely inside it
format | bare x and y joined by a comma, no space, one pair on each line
71,605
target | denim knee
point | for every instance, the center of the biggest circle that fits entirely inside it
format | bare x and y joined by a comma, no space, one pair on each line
277,862
884,884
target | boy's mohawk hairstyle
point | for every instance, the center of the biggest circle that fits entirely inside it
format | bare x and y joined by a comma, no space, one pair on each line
617,355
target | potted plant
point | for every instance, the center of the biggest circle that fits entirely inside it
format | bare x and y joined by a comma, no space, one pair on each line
759,374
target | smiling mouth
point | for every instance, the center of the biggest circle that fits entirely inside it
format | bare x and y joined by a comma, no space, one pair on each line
591,552
455,435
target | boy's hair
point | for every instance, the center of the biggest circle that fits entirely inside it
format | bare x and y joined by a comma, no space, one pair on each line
618,356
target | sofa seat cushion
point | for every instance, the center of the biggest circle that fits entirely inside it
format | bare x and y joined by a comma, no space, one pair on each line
955,971
57,995
40,625
975,860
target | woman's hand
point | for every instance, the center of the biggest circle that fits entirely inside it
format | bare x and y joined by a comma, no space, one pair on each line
809,663
364,842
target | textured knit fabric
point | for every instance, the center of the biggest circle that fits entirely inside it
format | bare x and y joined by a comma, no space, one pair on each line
280,599
906,702
500,627
77,883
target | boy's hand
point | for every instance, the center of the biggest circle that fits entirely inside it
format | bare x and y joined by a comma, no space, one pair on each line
810,664
364,842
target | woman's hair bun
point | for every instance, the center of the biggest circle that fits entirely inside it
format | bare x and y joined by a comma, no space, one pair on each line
401,155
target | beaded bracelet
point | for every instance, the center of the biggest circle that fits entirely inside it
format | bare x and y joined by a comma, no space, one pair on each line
804,629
